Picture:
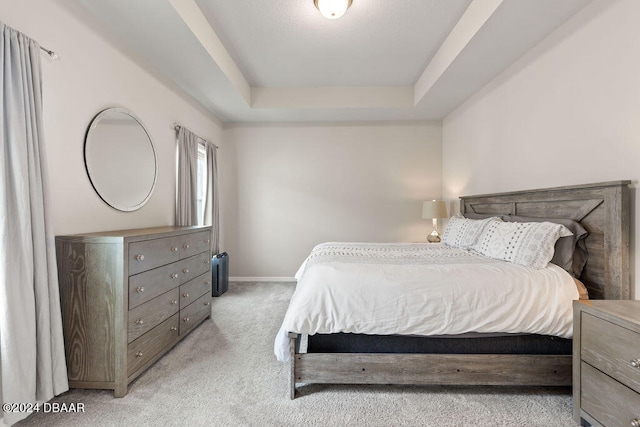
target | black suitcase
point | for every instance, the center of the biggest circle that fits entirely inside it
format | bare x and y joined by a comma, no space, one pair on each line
219,274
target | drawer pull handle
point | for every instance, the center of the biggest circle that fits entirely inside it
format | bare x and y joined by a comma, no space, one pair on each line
635,422
636,364
186,246
185,271
140,289
207,283
207,241
139,354
139,322
174,302
174,249
206,303
186,295
140,257
186,319
206,261
174,276
173,328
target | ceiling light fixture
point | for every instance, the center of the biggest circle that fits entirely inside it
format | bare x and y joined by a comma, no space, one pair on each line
332,9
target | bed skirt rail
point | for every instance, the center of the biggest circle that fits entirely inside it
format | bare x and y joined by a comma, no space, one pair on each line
429,369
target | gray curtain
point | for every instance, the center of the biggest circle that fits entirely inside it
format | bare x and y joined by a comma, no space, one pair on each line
32,356
187,185
211,207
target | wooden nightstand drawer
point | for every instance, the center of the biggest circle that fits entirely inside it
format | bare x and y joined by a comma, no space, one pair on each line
606,400
611,349
606,342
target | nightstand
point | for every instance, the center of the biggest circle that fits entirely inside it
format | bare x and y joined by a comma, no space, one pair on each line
606,362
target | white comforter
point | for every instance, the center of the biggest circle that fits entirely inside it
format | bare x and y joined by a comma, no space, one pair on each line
423,289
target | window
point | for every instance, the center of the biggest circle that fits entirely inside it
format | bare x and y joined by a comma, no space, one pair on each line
202,182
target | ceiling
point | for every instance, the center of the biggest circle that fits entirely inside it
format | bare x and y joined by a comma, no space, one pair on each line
280,60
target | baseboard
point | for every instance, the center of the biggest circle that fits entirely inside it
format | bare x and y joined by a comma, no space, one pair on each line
262,279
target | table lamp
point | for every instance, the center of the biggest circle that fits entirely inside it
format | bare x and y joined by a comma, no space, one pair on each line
433,210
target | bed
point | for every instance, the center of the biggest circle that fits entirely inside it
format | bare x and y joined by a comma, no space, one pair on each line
538,357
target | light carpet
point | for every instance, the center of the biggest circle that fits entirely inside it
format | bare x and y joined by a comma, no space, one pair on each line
225,374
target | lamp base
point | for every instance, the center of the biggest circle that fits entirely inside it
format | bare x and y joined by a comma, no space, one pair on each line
434,237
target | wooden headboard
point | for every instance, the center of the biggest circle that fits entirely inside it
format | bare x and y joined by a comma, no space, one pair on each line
602,209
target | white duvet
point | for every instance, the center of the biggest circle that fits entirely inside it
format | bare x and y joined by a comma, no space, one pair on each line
423,289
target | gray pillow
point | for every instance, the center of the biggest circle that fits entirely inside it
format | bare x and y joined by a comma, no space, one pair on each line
570,252
473,215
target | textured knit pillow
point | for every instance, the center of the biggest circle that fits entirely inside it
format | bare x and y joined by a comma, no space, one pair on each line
526,243
462,232
570,252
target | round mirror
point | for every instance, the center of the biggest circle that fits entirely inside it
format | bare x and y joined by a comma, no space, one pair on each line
120,159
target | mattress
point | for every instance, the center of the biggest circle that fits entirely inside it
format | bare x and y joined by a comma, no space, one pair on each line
424,290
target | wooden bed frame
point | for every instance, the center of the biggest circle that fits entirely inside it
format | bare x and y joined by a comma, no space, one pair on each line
602,209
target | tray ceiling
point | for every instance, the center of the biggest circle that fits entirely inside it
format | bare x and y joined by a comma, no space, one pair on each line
280,60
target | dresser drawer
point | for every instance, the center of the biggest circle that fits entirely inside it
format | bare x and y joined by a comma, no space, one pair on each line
150,254
606,400
145,286
194,289
194,266
611,349
149,345
147,315
194,313
195,243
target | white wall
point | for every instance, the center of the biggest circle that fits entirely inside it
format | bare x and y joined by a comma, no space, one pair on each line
566,113
294,186
284,187
93,75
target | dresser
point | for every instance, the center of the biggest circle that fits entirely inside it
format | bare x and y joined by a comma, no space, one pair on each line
127,297
606,362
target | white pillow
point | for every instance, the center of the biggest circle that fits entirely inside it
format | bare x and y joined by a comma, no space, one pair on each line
463,232
525,243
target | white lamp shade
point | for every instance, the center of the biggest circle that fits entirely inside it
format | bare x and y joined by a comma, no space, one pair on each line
434,209
332,9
